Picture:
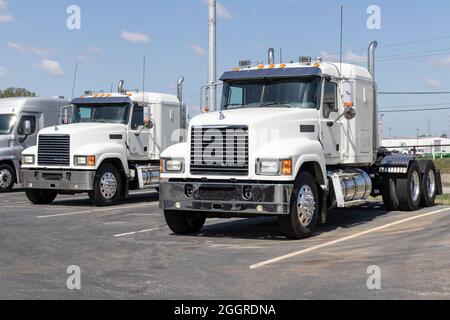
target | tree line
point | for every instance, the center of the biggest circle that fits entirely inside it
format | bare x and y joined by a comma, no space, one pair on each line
16,92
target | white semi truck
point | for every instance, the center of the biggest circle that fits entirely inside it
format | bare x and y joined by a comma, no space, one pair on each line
290,140
20,121
109,144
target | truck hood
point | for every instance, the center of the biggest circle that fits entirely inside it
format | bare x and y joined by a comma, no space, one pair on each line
255,117
85,128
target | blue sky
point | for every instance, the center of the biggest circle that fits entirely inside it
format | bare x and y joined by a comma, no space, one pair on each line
38,52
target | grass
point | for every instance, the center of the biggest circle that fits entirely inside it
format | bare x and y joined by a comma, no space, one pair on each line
443,200
443,165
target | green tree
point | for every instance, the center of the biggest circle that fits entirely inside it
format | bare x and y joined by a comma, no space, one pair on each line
16,92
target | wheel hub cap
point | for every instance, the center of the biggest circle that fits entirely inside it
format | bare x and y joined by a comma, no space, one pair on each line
108,185
415,186
5,178
431,184
306,205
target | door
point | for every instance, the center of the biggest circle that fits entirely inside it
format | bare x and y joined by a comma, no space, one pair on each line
138,136
331,132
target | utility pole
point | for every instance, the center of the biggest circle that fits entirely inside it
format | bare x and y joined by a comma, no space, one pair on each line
212,73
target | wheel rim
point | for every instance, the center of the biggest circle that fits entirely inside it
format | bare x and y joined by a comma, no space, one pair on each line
5,178
108,185
431,184
306,205
415,186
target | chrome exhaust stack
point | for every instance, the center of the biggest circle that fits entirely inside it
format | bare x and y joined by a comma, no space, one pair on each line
371,68
120,88
271,56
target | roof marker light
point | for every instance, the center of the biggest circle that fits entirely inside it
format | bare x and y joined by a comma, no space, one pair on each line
271,66
282,66
236,69
261,66
316,65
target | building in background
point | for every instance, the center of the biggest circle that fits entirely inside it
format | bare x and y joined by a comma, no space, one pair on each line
430,147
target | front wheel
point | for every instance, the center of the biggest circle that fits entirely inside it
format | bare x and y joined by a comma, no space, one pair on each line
107,186
302,220
184,223
40,196
6,178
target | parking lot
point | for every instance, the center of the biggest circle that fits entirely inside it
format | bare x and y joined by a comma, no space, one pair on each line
127,252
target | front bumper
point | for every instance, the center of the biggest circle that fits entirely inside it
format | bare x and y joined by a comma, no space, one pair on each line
226,197
58,180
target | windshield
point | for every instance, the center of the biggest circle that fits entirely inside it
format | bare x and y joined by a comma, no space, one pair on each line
103,113
7,122
273,93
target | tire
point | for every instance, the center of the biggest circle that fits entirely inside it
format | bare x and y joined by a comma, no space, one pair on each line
389,193
40,196
7,178
184,223
409,189
429,186
293,225
107,186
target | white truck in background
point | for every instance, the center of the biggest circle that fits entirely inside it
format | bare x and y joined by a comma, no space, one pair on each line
20,121
291,140
109,144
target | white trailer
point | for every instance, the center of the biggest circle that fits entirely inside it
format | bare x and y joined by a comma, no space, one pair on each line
110,144
291,140
20,121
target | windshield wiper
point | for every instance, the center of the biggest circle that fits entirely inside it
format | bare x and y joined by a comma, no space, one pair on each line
276,104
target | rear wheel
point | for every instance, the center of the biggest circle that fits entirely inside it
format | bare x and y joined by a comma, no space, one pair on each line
409,189
389,193
304,209
7,180
429,186
184,223
107,186
40,196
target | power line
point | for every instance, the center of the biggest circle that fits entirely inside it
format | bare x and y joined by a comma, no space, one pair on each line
413,92
414,110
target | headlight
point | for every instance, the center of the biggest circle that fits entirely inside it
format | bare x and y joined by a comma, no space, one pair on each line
28,159
85,161
173,165
274,167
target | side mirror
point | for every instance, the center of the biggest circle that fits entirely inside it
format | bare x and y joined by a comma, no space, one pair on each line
147,121
26,127
349,113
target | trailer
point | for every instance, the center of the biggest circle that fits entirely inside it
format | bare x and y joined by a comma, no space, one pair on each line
290,140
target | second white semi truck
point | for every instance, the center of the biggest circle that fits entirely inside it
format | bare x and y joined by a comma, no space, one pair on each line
110,144
290,140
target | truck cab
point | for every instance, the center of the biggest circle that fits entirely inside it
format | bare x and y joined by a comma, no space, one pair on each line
20,121
109,144
290,140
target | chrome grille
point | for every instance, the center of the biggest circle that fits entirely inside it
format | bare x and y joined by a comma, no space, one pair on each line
219,150
54,150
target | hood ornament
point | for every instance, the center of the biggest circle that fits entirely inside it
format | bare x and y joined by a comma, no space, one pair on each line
221,116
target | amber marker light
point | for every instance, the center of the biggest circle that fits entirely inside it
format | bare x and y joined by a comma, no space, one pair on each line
286,167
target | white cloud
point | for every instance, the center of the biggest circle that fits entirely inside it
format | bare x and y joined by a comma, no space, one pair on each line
3,72
3,4
199,50
5,18
42,52
50,66
135,37
349,56
432,82
223,12
95,50
441,61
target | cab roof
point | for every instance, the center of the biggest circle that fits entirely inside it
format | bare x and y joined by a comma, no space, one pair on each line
129,97
332,69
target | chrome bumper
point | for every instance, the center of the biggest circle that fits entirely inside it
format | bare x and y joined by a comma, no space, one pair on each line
77,181
226,198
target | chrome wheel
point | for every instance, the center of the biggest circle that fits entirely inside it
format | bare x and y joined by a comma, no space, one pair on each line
306,205
431,184
415,186
5,178
108,185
